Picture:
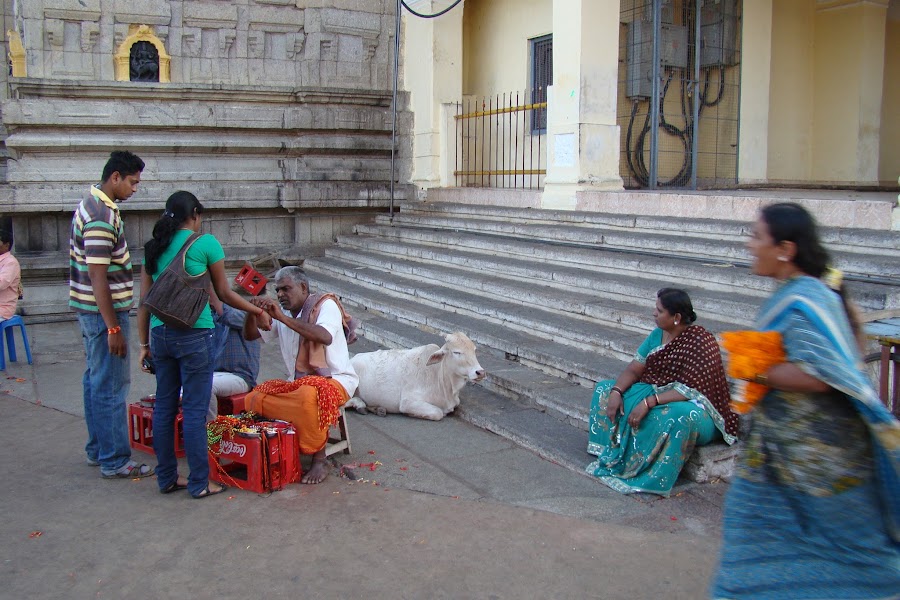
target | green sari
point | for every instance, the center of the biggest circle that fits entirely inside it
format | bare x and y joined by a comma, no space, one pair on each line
650,458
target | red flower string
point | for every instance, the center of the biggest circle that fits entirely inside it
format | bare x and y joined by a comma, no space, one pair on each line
329,399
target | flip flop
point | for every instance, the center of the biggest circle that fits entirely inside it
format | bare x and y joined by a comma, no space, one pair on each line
173,487
206,493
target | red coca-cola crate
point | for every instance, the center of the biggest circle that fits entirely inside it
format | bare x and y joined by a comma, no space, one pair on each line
251,280
258,462
231,405
140,425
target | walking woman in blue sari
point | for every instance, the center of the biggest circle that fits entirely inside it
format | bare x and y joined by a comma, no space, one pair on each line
814,508
671,398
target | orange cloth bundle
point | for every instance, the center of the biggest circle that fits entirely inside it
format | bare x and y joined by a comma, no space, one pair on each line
751,353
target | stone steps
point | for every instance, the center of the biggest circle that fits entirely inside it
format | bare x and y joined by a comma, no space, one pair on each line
545,352
665,243
713,276
865,241
557,300
611,300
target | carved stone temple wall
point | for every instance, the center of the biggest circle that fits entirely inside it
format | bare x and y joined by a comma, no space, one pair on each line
275,113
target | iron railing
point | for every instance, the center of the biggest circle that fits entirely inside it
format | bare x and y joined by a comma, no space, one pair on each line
500,141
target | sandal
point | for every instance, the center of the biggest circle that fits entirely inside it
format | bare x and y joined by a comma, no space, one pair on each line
132,470
173,487
208,492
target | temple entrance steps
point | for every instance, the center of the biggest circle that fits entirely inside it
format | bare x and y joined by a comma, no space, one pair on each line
557,300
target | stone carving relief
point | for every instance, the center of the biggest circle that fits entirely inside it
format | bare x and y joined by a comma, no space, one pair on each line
261,43
348,48
256,44
191,42
295,44
129,60
56,33
371,48
328,47
144,63
69,42
90,33
226,40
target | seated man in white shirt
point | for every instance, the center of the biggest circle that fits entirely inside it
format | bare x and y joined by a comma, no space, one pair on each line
310,329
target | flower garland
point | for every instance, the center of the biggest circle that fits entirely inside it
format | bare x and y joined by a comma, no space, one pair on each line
225,425
329,399
750,355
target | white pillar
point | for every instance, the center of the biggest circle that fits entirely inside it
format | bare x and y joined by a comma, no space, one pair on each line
432,68
756,70
582,133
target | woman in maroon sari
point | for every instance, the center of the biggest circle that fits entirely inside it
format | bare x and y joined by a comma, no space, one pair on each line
672,397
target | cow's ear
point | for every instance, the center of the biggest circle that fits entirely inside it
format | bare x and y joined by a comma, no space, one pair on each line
436,357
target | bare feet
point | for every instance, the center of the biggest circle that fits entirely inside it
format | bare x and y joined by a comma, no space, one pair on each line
317,473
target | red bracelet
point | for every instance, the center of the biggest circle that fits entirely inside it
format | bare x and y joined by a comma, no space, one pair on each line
114,330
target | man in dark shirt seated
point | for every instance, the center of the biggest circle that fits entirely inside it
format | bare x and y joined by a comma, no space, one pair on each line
237,365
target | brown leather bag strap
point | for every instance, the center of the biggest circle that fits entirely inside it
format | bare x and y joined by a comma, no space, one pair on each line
201,281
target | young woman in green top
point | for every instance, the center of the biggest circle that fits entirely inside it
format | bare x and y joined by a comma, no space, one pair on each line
184,358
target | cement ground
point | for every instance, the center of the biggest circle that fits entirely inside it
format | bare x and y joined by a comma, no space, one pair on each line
451,511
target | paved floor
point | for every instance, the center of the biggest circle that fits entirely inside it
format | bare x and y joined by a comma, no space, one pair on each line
450,511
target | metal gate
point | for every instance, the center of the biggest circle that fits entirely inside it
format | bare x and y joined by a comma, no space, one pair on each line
679,91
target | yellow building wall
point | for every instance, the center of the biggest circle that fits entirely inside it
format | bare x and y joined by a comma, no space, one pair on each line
791,98
836,116
889,160
495,43
496,69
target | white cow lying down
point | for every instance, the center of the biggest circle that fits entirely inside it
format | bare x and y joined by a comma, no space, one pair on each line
421,382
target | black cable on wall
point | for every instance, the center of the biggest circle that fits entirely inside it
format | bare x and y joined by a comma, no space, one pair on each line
437,14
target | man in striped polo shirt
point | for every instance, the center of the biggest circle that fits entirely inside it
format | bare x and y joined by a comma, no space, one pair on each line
100,291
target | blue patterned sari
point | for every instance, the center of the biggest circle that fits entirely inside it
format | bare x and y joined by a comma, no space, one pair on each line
814,509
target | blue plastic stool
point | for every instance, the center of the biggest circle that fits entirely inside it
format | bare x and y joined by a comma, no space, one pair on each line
8,327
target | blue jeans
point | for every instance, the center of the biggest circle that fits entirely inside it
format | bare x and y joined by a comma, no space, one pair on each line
106,382
183,359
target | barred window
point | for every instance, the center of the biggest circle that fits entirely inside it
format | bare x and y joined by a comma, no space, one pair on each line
541,78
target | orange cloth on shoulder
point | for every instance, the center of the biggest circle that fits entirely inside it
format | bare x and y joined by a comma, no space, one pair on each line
299,406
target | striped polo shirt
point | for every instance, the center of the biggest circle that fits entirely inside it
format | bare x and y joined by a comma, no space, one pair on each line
98,238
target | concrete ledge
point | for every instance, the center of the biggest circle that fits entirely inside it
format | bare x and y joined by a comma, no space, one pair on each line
863,210
486,196
832,208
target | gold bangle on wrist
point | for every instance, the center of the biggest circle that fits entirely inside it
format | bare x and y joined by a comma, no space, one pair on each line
647,405
761,379
657,399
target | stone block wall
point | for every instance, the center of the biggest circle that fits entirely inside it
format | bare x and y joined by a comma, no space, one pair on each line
277,115
346,44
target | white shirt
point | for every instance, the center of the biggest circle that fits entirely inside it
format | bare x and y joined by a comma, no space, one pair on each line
336,354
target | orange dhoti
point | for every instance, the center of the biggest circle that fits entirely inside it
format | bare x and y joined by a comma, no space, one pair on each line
311,403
